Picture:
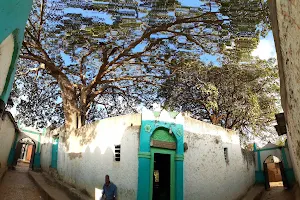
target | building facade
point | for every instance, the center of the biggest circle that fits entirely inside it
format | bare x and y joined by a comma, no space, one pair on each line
154,154
286,30
272,153
13,17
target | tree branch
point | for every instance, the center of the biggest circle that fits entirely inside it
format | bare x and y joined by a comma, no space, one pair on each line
41,19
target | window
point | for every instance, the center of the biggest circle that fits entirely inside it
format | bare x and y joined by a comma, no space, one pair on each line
226,155
117,152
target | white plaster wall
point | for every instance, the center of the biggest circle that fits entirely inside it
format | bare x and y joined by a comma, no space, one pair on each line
46,155
7,135
6,53
87,155
206,174
286,31
265,154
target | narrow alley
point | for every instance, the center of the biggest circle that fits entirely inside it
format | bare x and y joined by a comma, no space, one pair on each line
17,185
277,192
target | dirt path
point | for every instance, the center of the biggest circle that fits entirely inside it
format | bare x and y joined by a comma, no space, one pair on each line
16,185
277,193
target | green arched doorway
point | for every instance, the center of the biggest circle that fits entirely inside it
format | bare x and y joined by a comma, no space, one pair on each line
162,170
160,142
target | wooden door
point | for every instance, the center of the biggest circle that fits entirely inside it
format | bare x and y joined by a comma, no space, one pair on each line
267,183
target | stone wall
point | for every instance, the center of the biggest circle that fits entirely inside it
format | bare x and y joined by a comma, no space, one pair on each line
7,136
286,30
207,174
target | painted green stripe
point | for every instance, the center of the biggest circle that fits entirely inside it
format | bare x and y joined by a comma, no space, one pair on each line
144,155
29,131
267,149
179,157
285,162
258,161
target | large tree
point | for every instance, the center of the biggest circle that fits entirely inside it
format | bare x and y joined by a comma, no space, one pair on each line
237,95
76,58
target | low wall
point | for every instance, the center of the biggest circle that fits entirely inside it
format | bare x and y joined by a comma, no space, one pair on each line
206,173
7,136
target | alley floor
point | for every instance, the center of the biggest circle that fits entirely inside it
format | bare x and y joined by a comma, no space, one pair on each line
16,185
277,192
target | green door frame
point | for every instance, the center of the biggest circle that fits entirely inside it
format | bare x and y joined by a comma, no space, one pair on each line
148,127
172,170
54,154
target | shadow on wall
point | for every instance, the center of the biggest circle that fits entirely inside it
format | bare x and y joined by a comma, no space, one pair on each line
86,170
249,157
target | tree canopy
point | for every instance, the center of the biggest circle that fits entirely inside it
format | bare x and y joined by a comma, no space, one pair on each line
239,95
83,59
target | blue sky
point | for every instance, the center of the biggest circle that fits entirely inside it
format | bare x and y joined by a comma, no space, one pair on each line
266,47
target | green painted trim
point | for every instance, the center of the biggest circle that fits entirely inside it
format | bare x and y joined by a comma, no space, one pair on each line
10,159
37,161
163,135
144,155
285,162
172,170
13,17
179,157
290,176
156,113
267,149
258,161
259,177
148,127
44,131
29,131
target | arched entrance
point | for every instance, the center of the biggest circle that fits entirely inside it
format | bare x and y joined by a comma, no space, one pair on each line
272,153
161,155
163,150
24,153
274,172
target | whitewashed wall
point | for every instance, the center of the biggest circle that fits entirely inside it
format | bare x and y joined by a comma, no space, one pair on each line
206,174
46,150
7,135
285,27
6,53
89,155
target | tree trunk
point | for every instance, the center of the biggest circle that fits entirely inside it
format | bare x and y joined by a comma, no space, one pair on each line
70,105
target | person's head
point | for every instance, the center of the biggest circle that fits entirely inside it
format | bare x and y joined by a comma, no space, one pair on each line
107,180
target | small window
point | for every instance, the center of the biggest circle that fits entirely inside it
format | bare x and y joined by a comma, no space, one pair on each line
226,155
117,152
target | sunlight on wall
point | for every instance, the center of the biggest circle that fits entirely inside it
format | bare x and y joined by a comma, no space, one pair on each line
98,193
6,53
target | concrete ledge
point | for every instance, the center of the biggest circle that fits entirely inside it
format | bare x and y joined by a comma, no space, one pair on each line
254,193
50,191
72,192
2,173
